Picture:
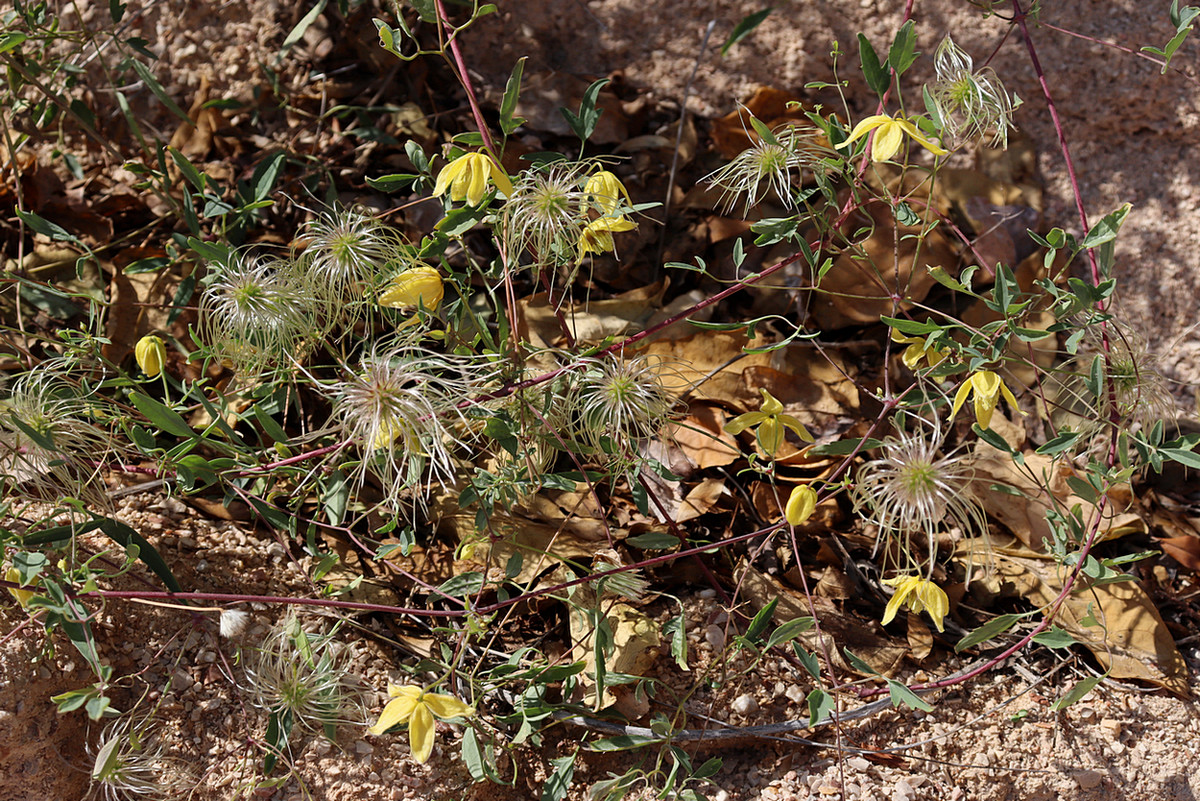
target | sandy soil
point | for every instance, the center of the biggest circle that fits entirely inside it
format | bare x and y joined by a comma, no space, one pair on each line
1133,136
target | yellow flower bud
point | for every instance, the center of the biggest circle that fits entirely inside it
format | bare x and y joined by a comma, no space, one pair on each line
801,504
418,286
151,355
22,596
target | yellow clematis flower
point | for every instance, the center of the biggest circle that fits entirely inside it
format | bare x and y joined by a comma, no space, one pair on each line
890,136
800,505
921,595
597,235
605,190
770,421
986,387
417,286
916,351
151,355
467,176
13,575
418,708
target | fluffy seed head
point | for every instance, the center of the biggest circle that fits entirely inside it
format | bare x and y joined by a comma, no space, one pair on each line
970,103
770,167
544,216
345,251
912,490
620,402
255,315
130,764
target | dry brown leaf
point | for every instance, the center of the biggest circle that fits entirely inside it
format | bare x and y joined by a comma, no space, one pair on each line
702,436
1131,639
541,545
733,133
1025,515
588,322
701,499
920,638
1184,549
635,640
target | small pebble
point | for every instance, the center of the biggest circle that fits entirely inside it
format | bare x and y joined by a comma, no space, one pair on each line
1089,779
744,705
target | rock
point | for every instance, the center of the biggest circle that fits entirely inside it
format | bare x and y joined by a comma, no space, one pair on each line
744,705
1089,779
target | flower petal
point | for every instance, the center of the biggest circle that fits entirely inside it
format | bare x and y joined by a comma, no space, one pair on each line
903,590
420,733
480,168
887,141
447,706
398,710
936,602
769,405
960,397
864,127
797,426
920,139
449,175
500,178
743,421
770,435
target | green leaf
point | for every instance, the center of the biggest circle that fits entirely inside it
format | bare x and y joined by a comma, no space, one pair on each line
1106,230
845,447
512,93
677,628
859,664
1055,637
902,695
993,628
654,541
1063,442
877,76
809,660
789,631
820,707
743,28
624,742
584,124
12,40
1077,692
125,536
760,622
45,227
393,182
189,171
991,438
911,328
148,77
297,33
556,787
904,49
1187,458
266,174
162,416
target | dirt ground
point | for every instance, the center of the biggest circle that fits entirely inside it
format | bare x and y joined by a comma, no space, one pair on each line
1133,136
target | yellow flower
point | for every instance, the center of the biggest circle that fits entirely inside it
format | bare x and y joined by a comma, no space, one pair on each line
921,595
916,351
418,708
771,421
466,177
418,286
890,136
597,235
13,575
605,190
987,387
151,355
800,505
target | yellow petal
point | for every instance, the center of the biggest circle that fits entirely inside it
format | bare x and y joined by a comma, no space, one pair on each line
770,435
1008,396
904,588
419,286
919,138
743,421
887,141
449,175
480,167
500,178
769,405
795,425
864,127
447,706
420,733
912,356
800,505
936,602
605,190
960,397
397,711
13,575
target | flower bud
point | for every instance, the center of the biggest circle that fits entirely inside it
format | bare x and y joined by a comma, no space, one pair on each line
418,286
801,504
151,355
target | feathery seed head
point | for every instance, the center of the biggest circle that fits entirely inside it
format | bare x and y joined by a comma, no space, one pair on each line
621,401
971,104
770,166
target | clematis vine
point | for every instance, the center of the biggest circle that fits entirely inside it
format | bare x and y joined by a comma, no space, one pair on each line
770,422
986,388
466,178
